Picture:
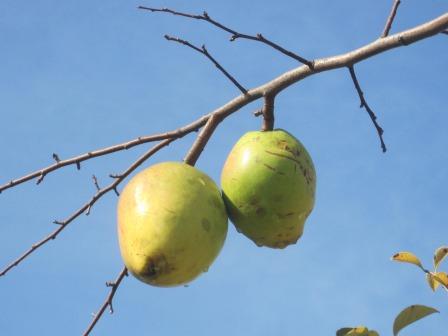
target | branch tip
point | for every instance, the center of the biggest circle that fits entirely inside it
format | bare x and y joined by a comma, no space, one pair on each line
391,18
364,104
234,34
95,182
56,158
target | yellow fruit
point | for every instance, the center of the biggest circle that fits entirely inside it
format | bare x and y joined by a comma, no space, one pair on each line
172,224
269,183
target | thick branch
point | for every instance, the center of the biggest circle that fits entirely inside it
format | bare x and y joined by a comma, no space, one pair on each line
367,107
391,18
234,33
87,206
205,52
108,302
201,140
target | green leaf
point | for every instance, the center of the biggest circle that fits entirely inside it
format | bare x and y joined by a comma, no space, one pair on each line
411,314
439,255
407,257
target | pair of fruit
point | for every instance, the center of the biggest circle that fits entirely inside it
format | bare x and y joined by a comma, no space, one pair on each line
172,218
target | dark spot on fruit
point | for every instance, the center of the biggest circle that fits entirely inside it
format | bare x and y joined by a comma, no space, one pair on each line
213,201
286,215
253,201
396,255
269,167
205,224
278,198
170,211
260,211
155,266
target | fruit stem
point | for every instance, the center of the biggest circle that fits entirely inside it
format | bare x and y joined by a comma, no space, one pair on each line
268,112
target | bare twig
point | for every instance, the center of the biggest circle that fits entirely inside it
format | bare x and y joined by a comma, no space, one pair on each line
235,34
95,182
391,18
205,52
63,224
366,106
268,113
41,173
108,302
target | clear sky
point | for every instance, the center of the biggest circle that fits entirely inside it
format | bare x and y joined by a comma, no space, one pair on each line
80,75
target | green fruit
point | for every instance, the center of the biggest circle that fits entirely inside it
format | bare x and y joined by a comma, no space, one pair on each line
269,183
172,224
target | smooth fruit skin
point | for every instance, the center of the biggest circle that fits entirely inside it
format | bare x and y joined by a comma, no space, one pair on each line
269,184
172,224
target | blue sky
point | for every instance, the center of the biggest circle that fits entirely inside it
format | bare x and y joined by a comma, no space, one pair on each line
81,75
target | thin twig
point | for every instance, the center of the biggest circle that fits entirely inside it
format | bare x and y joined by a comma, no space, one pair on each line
205,52
95,182
234,34
391,18
63,224
41,173
108,302
366,106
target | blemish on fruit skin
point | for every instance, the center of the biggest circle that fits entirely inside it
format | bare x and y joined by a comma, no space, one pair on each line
156,266
260,211
289,214
253,201
269,167
205,224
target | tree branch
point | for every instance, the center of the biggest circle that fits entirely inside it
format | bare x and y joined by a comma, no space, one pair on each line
391,18
325,64
235,34
366,106
108,302
202,139
205,52
175,134
87,206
